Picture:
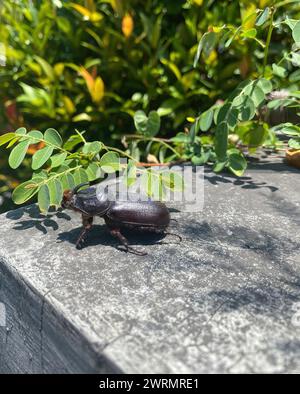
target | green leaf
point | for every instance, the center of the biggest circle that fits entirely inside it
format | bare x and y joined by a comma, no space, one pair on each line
72,142
44,198
55,192
41,156
294,143
296,32
202,159
207,43
206,120
279,71
58,160
153,124
181,138
148,126
18,154
263,17
21,131
251,33
227,114
168,107
53,137
221,141
291,22
47,68
80,176
40,175
151,183
6,138
92,147
130,174
110,162
256,135
256,94
93,172
24,192
82,117
265,85
12,142
67,181
36,136
246,107
237,163
219,166
289,129
280,103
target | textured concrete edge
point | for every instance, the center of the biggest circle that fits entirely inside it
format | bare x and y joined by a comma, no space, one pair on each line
89,339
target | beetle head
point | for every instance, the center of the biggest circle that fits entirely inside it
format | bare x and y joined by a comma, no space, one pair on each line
68,197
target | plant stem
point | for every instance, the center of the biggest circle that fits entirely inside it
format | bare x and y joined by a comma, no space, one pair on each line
271,28
108,148
160,140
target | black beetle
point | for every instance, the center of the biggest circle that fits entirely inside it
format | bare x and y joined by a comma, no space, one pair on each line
145,216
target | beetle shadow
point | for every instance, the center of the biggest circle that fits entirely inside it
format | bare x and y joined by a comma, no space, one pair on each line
32,218
99,235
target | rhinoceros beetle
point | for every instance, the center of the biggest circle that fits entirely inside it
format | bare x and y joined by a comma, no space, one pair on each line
145,216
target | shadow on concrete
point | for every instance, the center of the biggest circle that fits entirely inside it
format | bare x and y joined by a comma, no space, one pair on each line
247,182
33,218
244,182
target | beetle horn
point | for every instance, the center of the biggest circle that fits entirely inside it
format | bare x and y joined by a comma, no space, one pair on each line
78,187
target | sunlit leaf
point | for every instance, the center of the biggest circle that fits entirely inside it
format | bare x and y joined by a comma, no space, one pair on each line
53,137
147,125
58,159
110,162
206,120
237,163
55,192
24,192
279,71
173,181
44,198
41,156
296,32
92,147
263,17
18,154
5,138
93,172
206,44
80,176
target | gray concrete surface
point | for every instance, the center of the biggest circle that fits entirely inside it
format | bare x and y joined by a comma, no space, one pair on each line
226,300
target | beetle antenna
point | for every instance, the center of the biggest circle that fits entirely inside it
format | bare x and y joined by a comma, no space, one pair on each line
174,235
78,187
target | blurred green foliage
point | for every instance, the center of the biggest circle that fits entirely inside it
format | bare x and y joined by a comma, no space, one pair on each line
91,64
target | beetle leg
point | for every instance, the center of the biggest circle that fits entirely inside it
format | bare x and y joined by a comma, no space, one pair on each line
175,235
87,222
116,233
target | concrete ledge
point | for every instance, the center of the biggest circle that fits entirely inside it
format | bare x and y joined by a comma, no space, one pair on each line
226,300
